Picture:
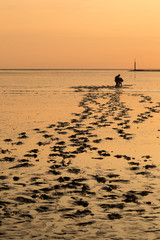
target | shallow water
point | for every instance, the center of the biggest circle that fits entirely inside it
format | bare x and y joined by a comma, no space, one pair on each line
78,158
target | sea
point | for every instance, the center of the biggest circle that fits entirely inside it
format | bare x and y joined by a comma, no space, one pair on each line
79,158
30,97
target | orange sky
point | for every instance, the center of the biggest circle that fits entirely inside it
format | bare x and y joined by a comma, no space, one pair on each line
79,33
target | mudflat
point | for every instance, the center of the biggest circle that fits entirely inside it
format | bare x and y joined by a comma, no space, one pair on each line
93,175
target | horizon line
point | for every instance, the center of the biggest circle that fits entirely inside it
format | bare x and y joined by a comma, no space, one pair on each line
64,69
76,69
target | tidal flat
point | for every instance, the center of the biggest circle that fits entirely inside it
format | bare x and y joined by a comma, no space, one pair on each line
86,169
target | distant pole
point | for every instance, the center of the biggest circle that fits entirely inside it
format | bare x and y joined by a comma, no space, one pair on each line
135,65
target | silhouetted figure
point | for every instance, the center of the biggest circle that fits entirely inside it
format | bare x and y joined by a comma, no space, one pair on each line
118,81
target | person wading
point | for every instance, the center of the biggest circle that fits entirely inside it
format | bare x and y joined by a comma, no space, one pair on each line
118,81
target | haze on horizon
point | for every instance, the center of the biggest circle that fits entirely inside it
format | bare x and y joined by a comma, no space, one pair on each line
79,34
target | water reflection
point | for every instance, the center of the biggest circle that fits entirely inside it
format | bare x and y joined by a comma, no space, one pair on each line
83,177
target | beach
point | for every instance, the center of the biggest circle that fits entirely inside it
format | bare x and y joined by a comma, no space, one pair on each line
79,159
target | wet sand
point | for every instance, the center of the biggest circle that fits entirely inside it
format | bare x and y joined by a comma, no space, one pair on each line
95,176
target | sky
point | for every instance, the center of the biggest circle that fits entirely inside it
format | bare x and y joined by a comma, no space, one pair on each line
79,34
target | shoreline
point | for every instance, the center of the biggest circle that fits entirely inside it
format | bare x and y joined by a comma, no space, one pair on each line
145,70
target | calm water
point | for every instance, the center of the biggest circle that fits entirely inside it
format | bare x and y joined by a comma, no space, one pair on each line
79,159
31,95
20,81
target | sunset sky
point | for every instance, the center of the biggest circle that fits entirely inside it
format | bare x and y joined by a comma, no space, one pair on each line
79,33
